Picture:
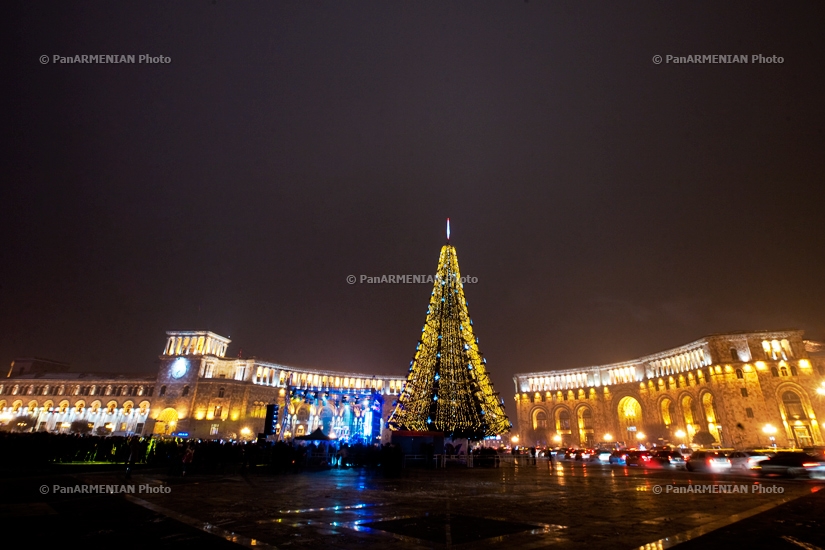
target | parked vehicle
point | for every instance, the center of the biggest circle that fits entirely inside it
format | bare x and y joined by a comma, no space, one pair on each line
638,458
746,460
708,461
794,464
618,457
670,459
600,455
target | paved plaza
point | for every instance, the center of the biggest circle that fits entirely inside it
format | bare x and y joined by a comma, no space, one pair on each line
572,505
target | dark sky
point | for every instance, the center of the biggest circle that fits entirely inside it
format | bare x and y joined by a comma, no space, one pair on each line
609,207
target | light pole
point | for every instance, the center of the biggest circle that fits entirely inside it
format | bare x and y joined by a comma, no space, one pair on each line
770,431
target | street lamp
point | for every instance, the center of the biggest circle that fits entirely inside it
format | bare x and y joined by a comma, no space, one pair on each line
557,438
514,440
608,437
770,431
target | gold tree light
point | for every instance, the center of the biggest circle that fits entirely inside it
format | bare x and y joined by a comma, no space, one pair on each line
448,389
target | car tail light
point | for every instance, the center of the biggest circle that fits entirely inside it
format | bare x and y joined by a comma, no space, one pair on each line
810,464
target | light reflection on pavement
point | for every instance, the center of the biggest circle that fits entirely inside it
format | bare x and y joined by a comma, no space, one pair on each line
569,506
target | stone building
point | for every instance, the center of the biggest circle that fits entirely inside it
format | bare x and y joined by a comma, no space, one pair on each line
748,389
200,392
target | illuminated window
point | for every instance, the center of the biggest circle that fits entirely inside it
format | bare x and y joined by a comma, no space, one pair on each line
587,419
793,406
540,420
213,430
218,411
563,422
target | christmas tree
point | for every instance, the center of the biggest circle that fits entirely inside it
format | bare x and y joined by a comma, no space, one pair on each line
448,389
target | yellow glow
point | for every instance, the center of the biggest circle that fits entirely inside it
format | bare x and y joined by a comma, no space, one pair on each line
820,391
235,416
245,431
747,368
640,436
769,429
608,437
514,439
282,392
680,433
760,365
804,364
200,414
557,438
728,368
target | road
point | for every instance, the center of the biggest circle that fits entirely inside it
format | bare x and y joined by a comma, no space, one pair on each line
527,506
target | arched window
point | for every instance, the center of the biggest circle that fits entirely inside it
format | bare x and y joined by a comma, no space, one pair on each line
793,406
739,374
794,372
162,391
783,371
221,392
539,420
587,419
185,391
774,372
667,412
563,420
111,406
303,414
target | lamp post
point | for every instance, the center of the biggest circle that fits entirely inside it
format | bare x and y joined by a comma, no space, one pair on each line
770,431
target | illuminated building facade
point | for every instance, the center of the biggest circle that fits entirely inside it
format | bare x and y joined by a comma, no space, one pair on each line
200,392
747,390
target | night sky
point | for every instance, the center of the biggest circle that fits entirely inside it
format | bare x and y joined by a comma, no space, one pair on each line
609,207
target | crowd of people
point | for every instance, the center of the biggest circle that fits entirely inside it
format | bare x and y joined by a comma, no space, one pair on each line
187,456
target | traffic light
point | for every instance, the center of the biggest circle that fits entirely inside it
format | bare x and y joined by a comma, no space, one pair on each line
271,421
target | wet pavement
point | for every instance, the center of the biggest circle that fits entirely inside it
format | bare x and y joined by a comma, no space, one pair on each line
527,506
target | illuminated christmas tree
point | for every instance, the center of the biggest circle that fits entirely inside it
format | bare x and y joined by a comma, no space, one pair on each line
448,389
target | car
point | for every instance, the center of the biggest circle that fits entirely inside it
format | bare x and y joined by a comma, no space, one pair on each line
638,458
818,451
669,459
600,455
747,461
582,454
708,461
793,464
618,457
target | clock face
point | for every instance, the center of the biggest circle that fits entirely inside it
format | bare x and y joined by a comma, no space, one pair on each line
179,368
